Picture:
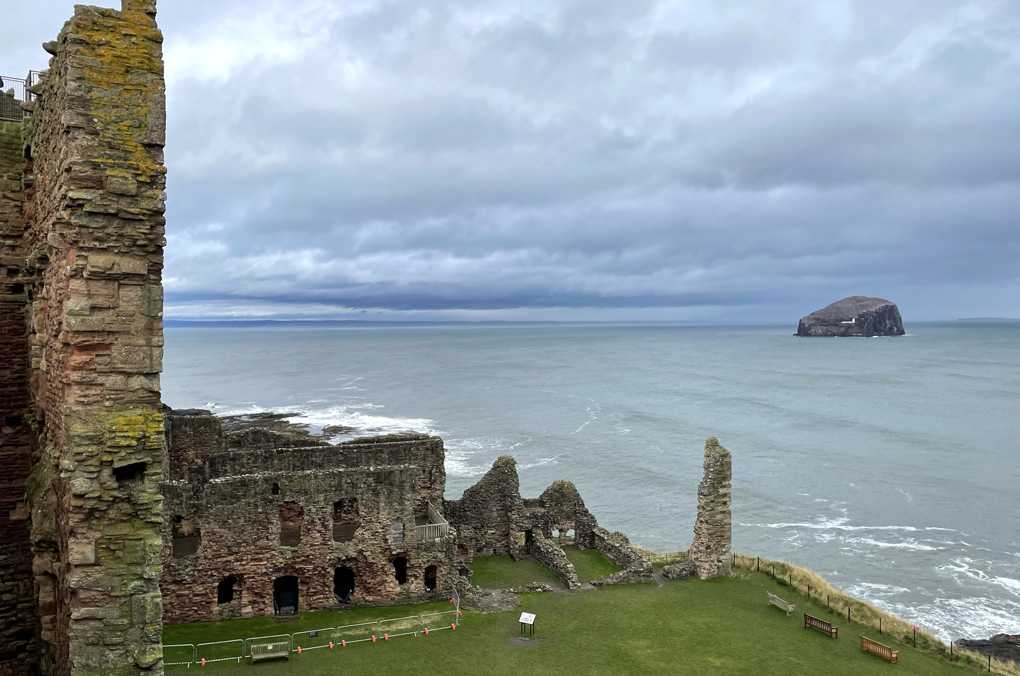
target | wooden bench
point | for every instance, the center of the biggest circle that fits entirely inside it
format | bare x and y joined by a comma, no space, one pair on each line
820,625
885,651
268,651
781,604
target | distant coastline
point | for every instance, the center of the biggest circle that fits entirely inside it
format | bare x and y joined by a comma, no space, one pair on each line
978,320
405,323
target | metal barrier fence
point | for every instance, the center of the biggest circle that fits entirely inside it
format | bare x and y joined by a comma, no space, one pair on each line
219,651
312,639
330,637
355,633
179,654
400,626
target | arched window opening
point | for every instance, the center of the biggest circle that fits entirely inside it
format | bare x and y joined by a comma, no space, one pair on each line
292,518
430,578
346,519
400,570
343,584
275,490
285,595
226,590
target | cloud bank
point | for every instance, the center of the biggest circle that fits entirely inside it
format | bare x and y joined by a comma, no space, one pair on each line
732,161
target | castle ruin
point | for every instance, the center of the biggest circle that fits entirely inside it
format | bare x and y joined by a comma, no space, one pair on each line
262,517
106,499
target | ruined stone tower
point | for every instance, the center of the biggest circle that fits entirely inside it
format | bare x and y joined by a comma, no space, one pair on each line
81,429
709,555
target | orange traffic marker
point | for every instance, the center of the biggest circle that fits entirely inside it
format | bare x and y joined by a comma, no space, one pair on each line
453,626
299,650
426,631
373,639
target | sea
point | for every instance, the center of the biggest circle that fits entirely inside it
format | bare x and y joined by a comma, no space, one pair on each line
891,466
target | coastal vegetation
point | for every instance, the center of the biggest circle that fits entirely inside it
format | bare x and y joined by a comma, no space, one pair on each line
722,626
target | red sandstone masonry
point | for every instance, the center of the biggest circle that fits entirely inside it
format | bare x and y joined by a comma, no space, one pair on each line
229,494
87,358
18,653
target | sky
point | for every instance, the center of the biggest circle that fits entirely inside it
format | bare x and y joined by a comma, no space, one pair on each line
645,160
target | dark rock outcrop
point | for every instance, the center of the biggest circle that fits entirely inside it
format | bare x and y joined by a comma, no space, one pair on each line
854,316
1001,646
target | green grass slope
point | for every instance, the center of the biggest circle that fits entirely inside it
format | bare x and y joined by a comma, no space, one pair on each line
722,626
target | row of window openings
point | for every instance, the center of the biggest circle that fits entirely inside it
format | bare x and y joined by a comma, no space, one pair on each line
285,589
346,520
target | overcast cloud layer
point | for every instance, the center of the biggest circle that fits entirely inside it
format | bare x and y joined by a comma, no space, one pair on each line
734,161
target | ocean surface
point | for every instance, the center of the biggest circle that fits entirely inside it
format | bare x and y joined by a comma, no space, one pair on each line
891,466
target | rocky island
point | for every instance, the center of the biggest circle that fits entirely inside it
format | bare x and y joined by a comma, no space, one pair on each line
853,316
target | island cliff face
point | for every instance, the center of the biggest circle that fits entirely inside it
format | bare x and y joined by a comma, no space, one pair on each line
854,316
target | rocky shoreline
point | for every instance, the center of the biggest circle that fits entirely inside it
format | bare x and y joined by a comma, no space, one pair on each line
1005,647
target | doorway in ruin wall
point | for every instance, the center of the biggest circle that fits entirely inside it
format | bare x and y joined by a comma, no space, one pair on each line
285,595
343,584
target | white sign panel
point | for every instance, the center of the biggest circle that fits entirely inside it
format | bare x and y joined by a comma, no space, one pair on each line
527,618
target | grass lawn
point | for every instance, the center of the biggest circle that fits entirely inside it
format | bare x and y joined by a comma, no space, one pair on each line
722,626
501,572
589,564
207,632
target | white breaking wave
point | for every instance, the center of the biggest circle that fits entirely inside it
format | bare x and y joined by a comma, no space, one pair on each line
538,463
352,416
872,589
459,454
909,544
361,422
837,523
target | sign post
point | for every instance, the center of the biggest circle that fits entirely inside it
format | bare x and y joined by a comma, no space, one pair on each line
528,620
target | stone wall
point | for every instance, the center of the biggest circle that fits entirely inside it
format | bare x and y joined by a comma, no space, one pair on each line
616,547
259,505
548,553
561,508
490,515
86,268
17,608
709,555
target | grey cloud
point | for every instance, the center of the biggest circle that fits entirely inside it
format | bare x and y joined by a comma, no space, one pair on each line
489,156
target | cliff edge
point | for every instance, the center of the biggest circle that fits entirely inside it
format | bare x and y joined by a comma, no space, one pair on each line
854,316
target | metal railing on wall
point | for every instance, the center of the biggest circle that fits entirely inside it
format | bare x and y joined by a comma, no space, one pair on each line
187,654
435,529
14,90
